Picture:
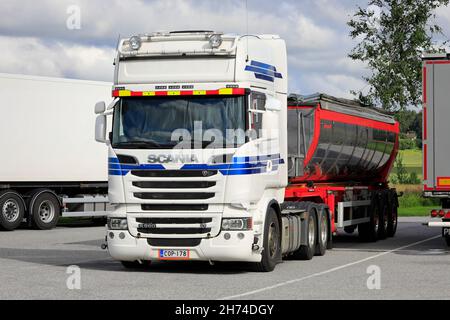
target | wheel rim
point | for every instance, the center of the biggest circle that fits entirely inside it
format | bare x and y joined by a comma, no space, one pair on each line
273,240
376,220
394,218
46,211
324,231
11,210
311,232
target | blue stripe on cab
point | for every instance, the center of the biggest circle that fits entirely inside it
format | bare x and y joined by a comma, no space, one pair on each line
263,65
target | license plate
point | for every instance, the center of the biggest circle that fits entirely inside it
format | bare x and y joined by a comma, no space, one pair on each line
173,254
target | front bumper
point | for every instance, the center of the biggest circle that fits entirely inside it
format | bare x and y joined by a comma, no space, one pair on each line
210,249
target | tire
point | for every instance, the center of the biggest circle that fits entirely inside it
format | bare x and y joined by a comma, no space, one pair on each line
322,234
350,229
392,215
45,210
271,253
307,251
368,232
135,264
384,218
12,210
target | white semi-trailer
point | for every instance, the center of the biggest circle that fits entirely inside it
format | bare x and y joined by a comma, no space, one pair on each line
209,159
49,164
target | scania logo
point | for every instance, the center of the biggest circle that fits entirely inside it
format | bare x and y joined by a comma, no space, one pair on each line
168,158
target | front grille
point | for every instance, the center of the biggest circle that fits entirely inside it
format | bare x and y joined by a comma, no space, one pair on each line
173,242
174,226
174,196
174,230
174,207
173,220
173,184
173,173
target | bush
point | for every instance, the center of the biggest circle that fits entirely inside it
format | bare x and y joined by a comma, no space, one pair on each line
419,143
405,144
415,199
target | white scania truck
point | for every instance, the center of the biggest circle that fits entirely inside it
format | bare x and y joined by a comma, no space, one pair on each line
198,155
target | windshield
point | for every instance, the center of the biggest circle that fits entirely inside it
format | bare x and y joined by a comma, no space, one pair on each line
166,122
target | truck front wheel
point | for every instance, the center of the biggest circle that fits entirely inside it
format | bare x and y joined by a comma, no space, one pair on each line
12,210
271,253
45,210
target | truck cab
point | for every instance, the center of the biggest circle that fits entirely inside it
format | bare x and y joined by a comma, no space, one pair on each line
197,149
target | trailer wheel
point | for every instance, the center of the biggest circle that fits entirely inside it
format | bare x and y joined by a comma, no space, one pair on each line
307,252
392,216
12,208
383,218
271,253
322,234
45,210
369,231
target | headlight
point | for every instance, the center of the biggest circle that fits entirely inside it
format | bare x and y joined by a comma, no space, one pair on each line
117,224
237,224
135,42
215,40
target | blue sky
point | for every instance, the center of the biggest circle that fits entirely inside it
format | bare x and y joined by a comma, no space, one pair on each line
34,38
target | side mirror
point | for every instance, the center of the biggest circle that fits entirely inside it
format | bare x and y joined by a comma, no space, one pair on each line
273,104
100,107
100,129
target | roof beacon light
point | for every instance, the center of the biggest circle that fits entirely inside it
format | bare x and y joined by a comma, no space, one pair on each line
135,42
215,40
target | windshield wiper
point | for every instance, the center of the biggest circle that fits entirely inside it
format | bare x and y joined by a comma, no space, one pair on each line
141,144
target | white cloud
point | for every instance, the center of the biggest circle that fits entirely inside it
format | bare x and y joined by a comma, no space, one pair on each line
27,55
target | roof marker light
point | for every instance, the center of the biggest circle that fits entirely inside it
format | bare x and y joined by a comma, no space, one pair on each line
135,42
215,40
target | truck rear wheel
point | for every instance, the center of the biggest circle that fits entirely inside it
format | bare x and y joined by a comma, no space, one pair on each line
12,208
322,234
307,251
45,210
271,253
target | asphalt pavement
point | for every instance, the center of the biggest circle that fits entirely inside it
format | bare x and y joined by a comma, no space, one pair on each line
68,263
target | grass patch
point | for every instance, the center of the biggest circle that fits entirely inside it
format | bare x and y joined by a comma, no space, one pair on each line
415,211
412,157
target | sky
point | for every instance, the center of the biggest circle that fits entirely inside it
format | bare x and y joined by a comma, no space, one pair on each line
44,37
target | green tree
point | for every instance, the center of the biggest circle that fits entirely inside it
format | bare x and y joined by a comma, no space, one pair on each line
394,33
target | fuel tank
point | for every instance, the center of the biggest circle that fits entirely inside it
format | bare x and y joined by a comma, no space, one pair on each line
334,140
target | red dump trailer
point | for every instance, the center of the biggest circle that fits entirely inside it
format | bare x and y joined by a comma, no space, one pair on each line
340,155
